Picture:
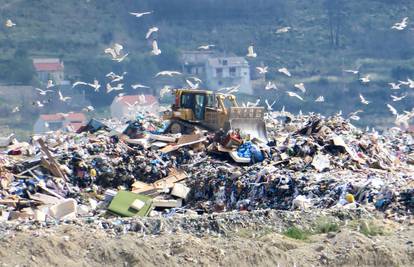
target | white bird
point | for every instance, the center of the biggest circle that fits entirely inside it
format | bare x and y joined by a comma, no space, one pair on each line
399,26
39,104
320,99
118,48
283,30
233,89
363,100
88,109
410,83
9,23
293,94
63,98
167,73
115,51
49,84
115,77
195,79
166,89
352,71
151,31
43,92
354,115
138,14
284,71
138,85
250,52
155,50
205,47
192,85
392,110
262,70
269,106
398,98
16,109
255,104
110,88
365,79
395,86
78,83
270,85
301,87
120,59
95,85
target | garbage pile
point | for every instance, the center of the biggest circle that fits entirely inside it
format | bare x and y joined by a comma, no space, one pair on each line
113,169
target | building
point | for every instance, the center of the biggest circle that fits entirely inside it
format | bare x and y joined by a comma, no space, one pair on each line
49,69
127,107
194,62
227,72
60,121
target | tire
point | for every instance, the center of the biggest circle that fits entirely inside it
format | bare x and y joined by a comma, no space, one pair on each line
175,128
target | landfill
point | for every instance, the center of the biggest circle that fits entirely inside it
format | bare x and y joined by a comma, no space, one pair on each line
111,169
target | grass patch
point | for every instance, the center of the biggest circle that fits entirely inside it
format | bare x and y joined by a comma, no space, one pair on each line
369,228
324,226
295,232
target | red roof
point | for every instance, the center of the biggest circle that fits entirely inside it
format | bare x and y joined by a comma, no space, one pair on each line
61,117
48,66
131,99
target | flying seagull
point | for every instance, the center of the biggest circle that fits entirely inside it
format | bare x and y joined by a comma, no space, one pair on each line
138,15
399,26
395,86
88,109
320,99
398,98
262,70
63,98
151,31
9,23
352,71
363,100
365,79
167,73
283,30
110,88
49,84
284,71
271,85
354,115
250,52
16,109
205,47
78,83
166,89
270,106
192,85
293,94
301,87
43,92
155,50
138,85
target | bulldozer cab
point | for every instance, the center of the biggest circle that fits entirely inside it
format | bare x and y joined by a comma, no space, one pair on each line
194,102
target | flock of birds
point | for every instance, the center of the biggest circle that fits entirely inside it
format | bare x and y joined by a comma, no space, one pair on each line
115,83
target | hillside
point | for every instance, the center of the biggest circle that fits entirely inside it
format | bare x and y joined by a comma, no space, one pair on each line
325,38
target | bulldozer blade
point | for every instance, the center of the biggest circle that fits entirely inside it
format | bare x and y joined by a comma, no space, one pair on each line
256,128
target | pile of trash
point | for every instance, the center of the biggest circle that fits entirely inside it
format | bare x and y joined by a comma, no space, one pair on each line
109,168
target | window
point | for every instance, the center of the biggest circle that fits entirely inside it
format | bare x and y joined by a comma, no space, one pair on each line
219,72
232,72
225,62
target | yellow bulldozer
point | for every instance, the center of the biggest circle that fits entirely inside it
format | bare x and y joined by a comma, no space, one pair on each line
210,110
